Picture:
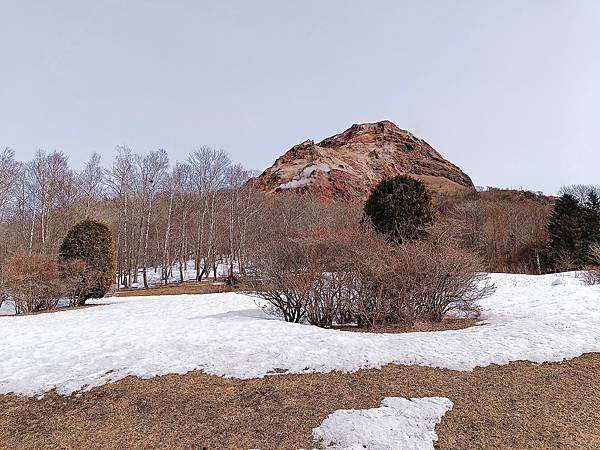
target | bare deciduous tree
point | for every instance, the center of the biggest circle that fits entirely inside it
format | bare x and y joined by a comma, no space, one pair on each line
592,274
91,183
580,191
209,168
151,169
119,180
9,171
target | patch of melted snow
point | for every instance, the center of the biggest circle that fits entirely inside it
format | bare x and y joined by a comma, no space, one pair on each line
399,423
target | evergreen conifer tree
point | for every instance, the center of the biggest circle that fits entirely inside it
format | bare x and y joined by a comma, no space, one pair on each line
91,241
566,230
400,207
592,222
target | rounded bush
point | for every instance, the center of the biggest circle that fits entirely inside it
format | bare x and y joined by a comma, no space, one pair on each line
400,207
92,242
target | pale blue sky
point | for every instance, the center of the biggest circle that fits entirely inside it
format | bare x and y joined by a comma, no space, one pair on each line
508,90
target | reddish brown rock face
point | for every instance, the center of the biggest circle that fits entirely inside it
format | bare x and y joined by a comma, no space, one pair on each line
347,166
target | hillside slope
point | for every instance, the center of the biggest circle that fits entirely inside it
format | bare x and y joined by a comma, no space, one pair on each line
347,165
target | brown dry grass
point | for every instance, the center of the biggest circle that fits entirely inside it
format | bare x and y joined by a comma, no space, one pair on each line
188,287
447,323
516,406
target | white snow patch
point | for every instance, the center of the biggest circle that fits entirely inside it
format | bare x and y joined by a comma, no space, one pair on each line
527,318
398,424
7,308
305,177
155,275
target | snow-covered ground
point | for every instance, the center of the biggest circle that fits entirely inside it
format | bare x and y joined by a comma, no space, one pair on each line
8,307
154,276
399,423
535,318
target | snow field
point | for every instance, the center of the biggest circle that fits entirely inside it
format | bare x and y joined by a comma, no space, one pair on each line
154,277
535,318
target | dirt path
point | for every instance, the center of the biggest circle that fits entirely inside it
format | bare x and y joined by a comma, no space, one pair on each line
516,406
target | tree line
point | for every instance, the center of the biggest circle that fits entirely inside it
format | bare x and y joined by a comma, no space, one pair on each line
160,214
574,229
201,216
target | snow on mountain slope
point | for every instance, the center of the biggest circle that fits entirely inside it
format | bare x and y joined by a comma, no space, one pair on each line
535,318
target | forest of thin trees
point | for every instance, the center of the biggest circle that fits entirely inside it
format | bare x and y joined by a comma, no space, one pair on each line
162,214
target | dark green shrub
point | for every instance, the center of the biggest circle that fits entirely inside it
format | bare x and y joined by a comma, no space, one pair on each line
90,242
400,207
566,234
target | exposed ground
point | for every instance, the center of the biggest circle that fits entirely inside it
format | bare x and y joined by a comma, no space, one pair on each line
447,323
187,287
515,406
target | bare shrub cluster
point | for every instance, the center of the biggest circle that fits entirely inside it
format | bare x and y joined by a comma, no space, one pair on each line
78,279
350,275
38,283
592,273
32,282
505,228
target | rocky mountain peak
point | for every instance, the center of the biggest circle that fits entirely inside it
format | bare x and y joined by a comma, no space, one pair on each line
347,165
